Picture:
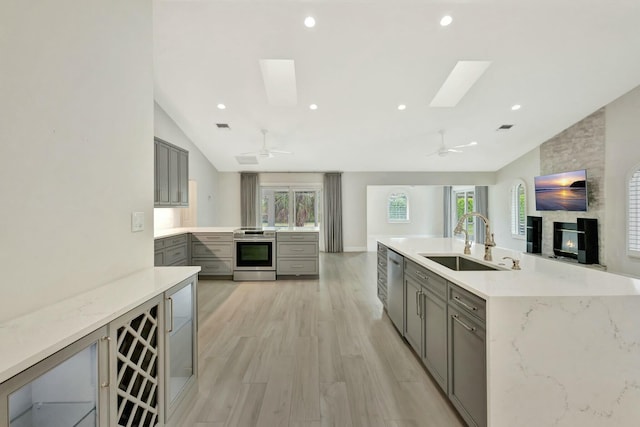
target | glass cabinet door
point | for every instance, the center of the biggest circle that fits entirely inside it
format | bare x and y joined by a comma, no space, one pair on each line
63,390
180,341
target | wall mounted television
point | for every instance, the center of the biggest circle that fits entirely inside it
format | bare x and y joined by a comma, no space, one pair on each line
566,191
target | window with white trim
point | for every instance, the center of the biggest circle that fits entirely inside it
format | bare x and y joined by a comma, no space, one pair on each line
518,210
289,206
633,214
398,207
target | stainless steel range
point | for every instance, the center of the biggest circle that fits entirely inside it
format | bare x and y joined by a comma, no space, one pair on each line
255,254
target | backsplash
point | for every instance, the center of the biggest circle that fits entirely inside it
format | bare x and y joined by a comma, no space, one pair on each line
164,218
582,146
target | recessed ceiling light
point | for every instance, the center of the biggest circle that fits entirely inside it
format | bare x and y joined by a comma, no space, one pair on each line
402,107
309,22
446,20
221,106
516,107
313,106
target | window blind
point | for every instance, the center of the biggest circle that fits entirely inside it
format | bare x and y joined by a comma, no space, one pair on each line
633,236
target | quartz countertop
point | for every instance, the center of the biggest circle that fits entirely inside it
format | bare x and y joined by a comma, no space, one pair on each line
538,277
26,340
158,234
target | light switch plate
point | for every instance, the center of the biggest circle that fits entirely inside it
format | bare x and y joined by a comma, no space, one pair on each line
137,221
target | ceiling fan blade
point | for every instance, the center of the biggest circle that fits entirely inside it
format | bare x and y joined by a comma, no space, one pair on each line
280,152
250,153
471,144
453,150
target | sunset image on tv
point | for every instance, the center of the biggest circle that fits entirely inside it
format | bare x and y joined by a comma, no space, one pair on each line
565,191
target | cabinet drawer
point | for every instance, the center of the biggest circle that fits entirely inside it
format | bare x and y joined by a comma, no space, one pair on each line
382,250
382,261
297,249
173,255
298,266
426,278
217,250
175,240
212,267
297,237
467,302
382,283
382,296
212,237
181,263
158,244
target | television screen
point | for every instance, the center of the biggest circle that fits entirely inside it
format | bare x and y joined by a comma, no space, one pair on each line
565,191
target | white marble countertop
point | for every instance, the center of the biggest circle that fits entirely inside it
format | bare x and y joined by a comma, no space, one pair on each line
538,277
158,234
27,340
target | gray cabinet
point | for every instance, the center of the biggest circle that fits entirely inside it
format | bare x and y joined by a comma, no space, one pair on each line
172,251
171,175
467,376
382,274
213,252
181,343
395,289
69,388
297,253
426,319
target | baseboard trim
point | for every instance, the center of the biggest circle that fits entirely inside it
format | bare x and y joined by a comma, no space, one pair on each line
355,249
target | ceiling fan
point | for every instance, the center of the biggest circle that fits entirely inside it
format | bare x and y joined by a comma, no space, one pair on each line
264,152
444,150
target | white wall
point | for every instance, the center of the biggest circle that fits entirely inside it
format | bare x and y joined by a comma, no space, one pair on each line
524,168
354,194
622,155
229,194
76,146
200,170
425,212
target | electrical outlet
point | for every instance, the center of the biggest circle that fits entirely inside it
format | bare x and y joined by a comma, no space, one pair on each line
137,221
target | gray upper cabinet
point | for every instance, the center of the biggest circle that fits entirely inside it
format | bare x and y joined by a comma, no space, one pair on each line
171,175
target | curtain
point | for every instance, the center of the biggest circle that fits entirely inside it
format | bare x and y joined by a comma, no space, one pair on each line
482,207
333,212
248,199
446,214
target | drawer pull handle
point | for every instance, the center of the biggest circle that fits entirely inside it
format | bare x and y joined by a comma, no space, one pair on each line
171,318
422,276
296,250
469,307
395,262
467,327
105,384
297,266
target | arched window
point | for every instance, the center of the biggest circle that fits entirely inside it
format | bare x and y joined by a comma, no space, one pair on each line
398,207
633,214
519,210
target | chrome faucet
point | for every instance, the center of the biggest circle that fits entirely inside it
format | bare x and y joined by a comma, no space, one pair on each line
488,239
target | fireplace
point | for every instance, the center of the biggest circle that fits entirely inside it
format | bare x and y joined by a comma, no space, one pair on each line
578,240
565,239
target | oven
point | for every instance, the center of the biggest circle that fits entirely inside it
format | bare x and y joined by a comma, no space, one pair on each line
255,254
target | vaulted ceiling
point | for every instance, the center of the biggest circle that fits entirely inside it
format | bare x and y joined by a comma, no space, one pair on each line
560,60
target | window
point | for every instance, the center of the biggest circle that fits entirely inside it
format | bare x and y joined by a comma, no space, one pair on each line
464,200
518,210
398,207
289,207
633,218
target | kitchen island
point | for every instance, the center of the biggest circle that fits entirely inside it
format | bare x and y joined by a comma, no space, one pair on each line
562,341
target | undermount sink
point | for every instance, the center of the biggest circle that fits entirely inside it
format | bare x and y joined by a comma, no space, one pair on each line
459,263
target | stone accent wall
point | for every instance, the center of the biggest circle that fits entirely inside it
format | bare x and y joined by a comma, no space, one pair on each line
582,146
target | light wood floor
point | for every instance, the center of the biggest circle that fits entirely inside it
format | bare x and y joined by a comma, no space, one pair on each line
308,353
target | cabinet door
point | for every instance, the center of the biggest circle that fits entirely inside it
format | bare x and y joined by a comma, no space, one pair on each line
134,364
69,388
183,178
413,313
162,174
434,312
180,342
174,173
467,368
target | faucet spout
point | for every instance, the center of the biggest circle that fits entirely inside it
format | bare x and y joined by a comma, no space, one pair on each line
489,241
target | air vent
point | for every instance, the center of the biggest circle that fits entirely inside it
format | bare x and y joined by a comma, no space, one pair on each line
223,126
247,160
505,127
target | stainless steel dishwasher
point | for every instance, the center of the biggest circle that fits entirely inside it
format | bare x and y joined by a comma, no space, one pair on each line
395,289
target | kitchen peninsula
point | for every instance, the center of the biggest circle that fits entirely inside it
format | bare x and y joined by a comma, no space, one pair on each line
562,341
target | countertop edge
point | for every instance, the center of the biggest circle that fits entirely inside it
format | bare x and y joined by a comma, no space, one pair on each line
29,339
